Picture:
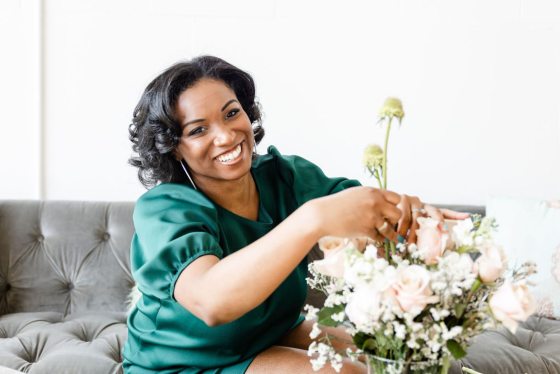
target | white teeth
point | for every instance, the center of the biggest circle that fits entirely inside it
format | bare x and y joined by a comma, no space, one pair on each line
226,157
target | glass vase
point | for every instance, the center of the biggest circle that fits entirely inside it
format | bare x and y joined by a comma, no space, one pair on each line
379,365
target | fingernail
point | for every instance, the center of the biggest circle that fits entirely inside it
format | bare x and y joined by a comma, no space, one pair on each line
400,238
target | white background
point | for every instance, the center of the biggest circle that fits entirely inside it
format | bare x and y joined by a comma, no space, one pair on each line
479,79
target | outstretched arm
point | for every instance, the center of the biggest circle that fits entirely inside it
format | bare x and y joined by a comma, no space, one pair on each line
220,291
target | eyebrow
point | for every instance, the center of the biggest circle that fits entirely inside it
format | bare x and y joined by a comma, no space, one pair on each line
200,119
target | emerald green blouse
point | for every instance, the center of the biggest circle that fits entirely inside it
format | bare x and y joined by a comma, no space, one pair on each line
175,225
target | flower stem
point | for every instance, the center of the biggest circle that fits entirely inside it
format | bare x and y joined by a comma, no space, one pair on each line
376,175
445,365
475,286
393,248
385,153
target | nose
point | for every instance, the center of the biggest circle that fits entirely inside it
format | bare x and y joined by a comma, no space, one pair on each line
223,135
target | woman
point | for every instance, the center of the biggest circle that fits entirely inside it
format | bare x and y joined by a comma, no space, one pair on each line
222,235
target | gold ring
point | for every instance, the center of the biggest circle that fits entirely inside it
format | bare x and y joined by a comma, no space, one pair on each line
383,227
418,210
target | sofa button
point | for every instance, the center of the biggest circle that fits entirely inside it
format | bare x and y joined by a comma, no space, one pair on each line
8,286
40,238
70,286
106,236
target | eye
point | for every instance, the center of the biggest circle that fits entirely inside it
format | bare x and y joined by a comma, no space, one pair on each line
196,131
232,113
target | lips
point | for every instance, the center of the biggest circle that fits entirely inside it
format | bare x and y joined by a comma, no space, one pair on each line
230,156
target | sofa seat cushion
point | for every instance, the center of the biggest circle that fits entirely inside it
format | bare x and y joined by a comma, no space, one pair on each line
534,348
48,342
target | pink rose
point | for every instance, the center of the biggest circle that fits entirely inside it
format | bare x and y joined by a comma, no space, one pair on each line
511,304
432,240
491,264
412,289
333,262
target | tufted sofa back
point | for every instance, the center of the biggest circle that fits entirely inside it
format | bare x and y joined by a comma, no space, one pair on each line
64,256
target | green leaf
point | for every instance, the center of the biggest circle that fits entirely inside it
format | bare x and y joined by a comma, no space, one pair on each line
476,285
369,345
324,315
359,339
456,350
382,341
459,309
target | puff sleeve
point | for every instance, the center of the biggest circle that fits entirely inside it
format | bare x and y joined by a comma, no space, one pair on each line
174,225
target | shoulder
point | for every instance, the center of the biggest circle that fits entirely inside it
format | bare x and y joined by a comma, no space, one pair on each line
173,192
305,179
285,165
168,198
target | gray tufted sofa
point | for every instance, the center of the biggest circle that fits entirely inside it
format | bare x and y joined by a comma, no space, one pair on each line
65,278
64,281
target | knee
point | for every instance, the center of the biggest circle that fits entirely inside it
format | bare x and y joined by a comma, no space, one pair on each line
350,367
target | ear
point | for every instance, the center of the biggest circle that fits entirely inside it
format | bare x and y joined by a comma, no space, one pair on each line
177,155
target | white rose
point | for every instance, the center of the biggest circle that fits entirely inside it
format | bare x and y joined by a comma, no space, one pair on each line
384,280
364,306
511,304
461,232
412,289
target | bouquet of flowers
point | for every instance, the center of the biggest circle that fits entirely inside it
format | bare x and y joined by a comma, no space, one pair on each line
411,307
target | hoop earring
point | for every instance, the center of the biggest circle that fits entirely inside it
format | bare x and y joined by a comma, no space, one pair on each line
188,175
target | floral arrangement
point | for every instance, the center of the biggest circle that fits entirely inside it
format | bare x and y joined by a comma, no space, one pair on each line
410,307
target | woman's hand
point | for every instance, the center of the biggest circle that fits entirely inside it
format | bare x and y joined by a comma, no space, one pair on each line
412,208
358,212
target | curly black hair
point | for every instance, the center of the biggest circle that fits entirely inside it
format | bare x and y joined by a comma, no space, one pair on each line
155,130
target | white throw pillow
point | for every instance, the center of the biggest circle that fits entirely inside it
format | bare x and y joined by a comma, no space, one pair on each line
529,229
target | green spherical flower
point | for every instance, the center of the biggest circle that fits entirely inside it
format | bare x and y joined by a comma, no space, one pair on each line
373,156
392,108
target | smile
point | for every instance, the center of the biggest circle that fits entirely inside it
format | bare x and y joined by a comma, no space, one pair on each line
230,157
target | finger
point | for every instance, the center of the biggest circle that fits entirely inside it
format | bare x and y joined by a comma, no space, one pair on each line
381,252
392,197
452,214
362,242
404,221
387,231
391,213
413,227
375,237
434,213
379,239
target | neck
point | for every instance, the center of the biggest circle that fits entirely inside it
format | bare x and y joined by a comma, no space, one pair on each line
238,196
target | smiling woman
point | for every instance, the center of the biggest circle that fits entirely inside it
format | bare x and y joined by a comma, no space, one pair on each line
217,144
156,129
221,238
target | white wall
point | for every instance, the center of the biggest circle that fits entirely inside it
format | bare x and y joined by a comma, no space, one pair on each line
480,81
20,86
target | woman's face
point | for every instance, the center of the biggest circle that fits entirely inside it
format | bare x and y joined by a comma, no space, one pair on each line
217,139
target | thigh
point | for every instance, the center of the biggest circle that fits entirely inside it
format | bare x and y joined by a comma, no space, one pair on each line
299,337
282,360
